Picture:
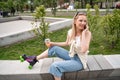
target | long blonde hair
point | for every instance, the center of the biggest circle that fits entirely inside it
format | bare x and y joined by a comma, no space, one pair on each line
73,30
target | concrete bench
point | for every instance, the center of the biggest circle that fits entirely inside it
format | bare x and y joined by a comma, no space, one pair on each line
99,67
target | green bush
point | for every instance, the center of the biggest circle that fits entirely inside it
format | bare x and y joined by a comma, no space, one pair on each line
42,29
105,30
94,22
95,26
111,28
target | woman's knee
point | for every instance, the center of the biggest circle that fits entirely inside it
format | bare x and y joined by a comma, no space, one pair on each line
59,52
56,47
53,50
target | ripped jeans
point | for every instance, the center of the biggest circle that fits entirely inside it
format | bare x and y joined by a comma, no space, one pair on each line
68,64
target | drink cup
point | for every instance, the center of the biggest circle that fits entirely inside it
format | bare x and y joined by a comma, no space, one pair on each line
47,42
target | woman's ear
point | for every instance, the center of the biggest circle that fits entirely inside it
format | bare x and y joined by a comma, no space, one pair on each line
74,21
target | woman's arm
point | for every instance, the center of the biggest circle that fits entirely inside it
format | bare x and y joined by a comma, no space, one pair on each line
85,42
66,43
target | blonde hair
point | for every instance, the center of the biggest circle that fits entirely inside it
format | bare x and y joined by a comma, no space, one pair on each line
73,30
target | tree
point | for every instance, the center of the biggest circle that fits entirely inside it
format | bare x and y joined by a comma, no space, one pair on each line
82,2
41,29
54,3
111,28
91,3
11,7
20,5
36,3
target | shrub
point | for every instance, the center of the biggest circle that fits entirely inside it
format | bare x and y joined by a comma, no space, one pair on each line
111,27
41,29
94,22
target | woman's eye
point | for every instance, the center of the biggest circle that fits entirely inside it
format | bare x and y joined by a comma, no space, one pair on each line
85,21
80,20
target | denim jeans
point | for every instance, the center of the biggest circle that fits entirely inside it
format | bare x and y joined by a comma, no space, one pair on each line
68,64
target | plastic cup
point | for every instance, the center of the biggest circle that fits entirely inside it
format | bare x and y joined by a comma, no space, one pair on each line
47,42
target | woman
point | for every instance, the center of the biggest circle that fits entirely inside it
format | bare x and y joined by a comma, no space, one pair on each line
78,38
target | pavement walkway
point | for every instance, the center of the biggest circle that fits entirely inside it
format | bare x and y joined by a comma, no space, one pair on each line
18,26
9,31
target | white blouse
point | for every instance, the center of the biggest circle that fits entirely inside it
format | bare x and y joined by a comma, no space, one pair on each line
75,49
77,40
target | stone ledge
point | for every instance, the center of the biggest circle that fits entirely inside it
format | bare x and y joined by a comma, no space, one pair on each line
15,70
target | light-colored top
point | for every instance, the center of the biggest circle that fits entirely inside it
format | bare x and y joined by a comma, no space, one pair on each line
75,49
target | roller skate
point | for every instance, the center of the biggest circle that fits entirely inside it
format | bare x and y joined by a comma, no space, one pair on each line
30,59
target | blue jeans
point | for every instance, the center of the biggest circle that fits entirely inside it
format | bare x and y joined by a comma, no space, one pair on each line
68,64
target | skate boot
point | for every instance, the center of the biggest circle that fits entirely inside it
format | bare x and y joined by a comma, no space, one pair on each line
23,58
30,59
32,62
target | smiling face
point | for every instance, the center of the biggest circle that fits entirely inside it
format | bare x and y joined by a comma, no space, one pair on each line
80,22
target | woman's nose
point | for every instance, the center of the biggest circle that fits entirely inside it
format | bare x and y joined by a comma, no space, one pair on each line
83,22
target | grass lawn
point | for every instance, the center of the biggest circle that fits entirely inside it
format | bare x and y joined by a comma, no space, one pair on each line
35,46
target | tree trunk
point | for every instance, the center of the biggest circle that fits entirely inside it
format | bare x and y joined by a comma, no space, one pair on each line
82,3
91,3
85,2
107,6
116,0
100,5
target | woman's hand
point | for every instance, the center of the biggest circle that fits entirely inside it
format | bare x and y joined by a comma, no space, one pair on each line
85,30
51,44
85,41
